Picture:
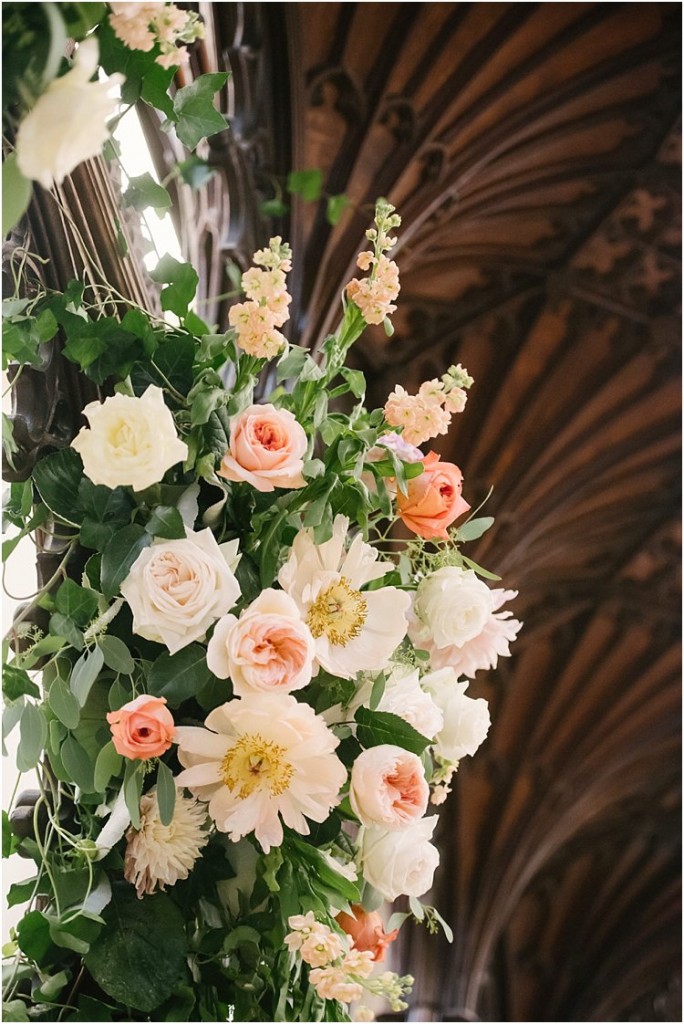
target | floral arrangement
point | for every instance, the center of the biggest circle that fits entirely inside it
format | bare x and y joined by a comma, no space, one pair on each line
247,694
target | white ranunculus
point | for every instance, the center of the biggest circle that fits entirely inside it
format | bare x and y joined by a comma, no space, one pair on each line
466,719
68,123
400,863
176,589
131,442
451,607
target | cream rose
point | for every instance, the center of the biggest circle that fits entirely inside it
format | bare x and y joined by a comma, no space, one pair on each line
451,607
400,863
388,787
267,448
68,123
268,648
177,588
466,719
130,442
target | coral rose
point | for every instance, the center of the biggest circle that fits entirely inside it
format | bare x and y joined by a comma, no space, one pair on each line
267,446
143,728
388,787
367,931
433,500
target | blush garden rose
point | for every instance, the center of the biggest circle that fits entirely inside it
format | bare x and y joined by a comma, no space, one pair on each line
267,448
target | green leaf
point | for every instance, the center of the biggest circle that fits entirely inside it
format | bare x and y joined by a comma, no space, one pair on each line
307,184
57,478
16,682
116,654
16,194
180,676
194,108
165,522
166,793
273,208
181,280
85,672
108,764
33,935
139,957
290,365
377,691
32,736
63,703
335,208
6,835
479,570
474,528
65,629
377,727
119,556
132,788
356,381
21,892
78,764
77,603
52,986
144,191
195,172
15,1010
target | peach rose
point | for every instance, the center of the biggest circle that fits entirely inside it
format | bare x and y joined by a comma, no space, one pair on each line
434,499
388,787
367,931
143,728
267,446
267,648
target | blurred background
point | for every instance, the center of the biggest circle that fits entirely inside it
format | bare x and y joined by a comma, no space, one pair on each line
534,153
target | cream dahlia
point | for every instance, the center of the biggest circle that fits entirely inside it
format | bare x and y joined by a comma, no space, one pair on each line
259,760
354,630
159,855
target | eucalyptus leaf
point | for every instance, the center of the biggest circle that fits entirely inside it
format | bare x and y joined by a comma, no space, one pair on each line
108,764
78,764
479,570
132,789
33,732
85,672
474,528
166,793
116,654
64,704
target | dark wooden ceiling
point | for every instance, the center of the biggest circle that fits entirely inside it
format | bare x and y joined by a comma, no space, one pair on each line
533,151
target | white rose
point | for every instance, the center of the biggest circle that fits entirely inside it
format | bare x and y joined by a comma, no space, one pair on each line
387,787
131,442
404,696
466,719
451,606
68,123
400,863
177,588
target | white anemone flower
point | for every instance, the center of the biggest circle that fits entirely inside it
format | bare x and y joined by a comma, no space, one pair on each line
354,630
262,758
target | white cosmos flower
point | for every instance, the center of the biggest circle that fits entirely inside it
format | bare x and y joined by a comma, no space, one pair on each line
354,630
262,758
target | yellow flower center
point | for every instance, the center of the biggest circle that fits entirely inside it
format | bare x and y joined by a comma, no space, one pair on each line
339,612
255,763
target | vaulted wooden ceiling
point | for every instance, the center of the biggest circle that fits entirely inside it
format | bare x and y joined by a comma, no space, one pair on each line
533,153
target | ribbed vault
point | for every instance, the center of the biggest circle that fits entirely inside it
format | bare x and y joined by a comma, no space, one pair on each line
533,152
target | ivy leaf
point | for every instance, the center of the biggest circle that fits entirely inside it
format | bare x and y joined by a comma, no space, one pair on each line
16,682
307,184
166,522
57,478
145,79
119,555
195,172
77,603
16,194
181,280
180,676
166,793
335,208
33,936
377,727
197,118
139,956
144,191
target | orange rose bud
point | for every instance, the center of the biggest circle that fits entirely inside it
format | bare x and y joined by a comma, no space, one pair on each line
434,499
143,728
367,931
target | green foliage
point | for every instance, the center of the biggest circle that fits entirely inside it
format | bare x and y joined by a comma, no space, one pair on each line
195,114
377,727
179,677
16,194
119,556
307,184
143,191
180,280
